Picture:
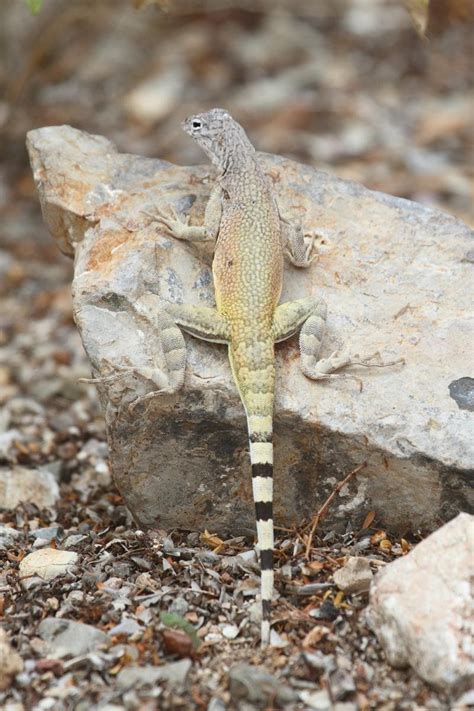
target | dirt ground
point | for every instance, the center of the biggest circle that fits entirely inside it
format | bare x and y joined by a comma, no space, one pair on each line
346,86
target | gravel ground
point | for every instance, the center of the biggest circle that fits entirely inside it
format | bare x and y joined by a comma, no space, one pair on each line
352,91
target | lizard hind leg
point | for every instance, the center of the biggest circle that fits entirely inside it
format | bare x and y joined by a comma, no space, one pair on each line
310,315
201,321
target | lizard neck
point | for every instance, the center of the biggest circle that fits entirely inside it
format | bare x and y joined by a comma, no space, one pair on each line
233,153
240,160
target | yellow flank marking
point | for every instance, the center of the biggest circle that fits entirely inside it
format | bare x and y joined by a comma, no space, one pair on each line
260,423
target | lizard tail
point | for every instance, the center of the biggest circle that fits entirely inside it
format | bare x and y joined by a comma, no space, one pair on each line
261,458
256,388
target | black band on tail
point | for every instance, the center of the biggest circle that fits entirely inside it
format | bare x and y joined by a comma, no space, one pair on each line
266,559
266,609
262,469
263,510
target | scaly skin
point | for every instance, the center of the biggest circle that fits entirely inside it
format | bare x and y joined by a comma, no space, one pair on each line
252,237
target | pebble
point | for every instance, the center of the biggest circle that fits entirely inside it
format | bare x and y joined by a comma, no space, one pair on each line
73,540
127,626
174,674
10,662
230,631
316,700
8,536
46,564
66,638
355,576
19,484
256,686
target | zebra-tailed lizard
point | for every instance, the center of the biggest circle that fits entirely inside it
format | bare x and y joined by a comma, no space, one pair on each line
251,239
251,236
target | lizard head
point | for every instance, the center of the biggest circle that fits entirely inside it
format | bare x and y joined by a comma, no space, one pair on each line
219,136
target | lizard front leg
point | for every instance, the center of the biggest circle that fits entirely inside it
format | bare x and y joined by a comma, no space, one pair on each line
199,321
300,251
194,233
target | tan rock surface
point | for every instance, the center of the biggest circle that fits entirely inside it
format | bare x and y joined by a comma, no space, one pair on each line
422,608
396,279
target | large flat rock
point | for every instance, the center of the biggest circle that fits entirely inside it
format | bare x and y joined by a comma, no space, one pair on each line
397,278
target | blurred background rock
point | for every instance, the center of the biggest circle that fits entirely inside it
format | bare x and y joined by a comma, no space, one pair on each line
345,85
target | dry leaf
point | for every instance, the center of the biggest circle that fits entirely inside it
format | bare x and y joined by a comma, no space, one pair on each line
211,539
314,636
338,599
405,545
378,536
178,642
368,519
316,565
385,545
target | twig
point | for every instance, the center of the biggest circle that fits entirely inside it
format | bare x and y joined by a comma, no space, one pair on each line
324,508
309,589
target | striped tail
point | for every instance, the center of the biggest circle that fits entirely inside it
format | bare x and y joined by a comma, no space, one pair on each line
253,366
261,458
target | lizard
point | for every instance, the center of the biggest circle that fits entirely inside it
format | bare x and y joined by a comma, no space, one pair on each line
251,240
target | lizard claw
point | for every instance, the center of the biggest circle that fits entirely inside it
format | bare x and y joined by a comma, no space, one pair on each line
170,220
149,396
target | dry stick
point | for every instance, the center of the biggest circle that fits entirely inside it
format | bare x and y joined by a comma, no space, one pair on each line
323,510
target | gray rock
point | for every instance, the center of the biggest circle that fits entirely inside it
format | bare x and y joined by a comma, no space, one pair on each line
421,608
395,279
216,704
66,638
127,626
8,536
354,576
316,700
256,686
19,484
174,674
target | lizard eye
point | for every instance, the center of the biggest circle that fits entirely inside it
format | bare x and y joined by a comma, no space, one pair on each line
196,124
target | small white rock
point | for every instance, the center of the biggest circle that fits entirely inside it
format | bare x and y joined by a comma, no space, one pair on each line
316,700
355,576
36,486
46,564
230,631
276,640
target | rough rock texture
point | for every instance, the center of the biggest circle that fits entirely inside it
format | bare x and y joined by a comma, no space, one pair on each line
422,609
395,279
355,576
19,484
46,564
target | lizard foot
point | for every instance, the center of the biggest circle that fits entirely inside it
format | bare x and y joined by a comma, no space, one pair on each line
302,253
325,369
170,220
146,398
